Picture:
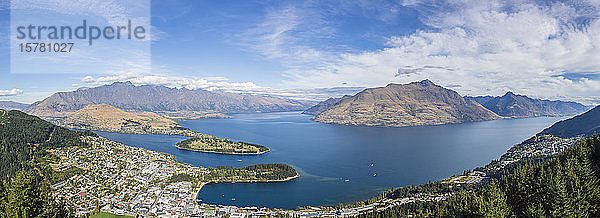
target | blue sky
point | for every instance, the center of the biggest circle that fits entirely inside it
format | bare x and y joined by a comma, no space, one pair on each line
302,49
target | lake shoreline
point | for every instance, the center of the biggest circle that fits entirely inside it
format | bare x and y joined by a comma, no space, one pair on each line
221,152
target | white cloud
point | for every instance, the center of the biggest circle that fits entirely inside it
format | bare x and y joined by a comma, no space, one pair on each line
211,84
11,92
485,47
219,84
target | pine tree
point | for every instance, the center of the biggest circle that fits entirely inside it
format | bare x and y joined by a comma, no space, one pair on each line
24,197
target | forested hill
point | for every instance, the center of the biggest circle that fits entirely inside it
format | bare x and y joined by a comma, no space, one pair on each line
26,177
584,124
25,137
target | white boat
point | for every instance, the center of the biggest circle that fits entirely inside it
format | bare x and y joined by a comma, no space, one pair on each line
374,174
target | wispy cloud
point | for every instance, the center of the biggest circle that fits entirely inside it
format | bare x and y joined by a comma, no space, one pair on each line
11,92
286,33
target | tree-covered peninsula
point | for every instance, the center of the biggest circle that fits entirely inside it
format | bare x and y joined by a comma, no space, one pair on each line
219,145
273,172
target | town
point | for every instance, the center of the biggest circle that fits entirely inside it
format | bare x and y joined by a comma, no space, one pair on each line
537,146
120,179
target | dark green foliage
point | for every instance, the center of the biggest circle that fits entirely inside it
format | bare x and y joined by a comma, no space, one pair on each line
564,186
258,172
277,171
25,197
220,142
3,200
24,137
180,178
489,201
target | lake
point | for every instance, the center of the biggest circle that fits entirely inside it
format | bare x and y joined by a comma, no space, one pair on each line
340,164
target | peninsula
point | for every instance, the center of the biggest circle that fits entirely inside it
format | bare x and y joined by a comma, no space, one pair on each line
221,146
272,172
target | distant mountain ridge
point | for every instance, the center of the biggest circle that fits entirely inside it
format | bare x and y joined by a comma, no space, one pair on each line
512,105
324,105
586,124
11,105
126,96
413,104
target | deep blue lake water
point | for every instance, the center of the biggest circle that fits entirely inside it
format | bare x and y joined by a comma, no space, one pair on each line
328,155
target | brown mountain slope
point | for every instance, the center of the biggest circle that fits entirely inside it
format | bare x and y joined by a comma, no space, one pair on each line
106,117
414,104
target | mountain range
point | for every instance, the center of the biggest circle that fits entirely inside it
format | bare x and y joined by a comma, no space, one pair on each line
156,98
413,104
586,124
11,105
513,105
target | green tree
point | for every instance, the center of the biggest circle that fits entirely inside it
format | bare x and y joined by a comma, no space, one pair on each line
28,199
24,196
